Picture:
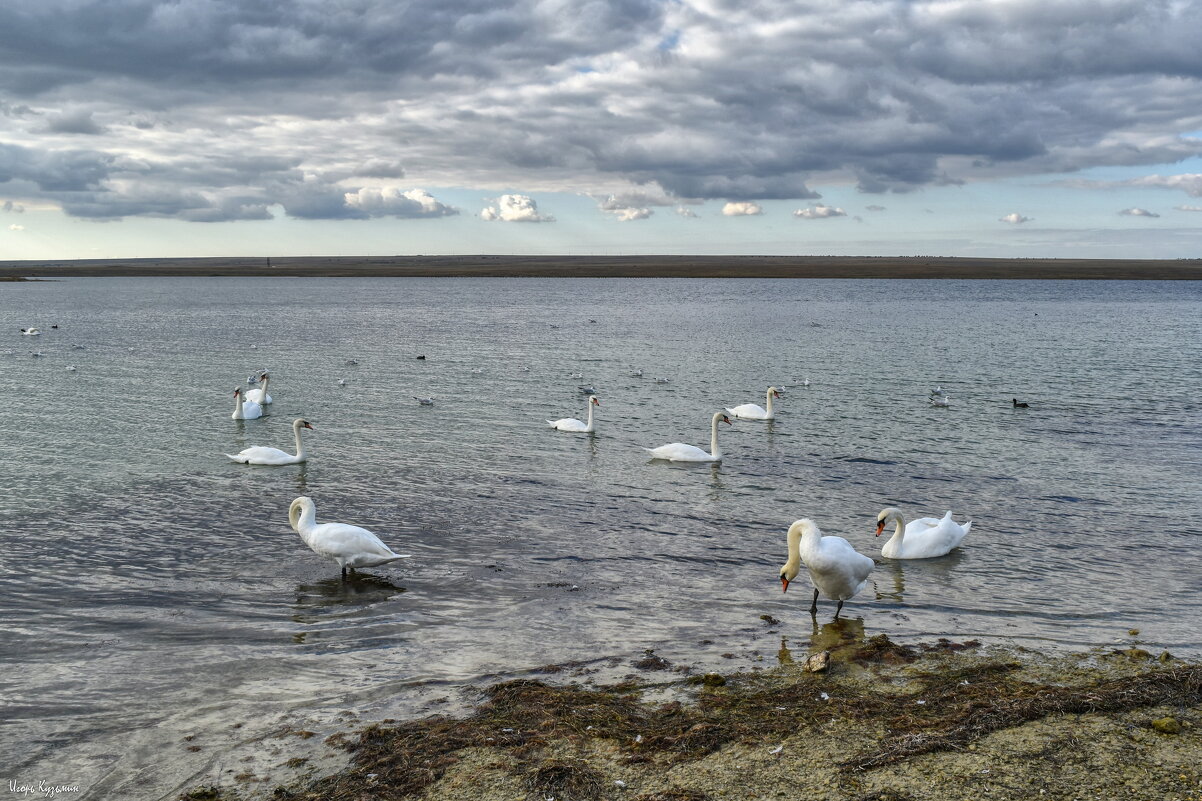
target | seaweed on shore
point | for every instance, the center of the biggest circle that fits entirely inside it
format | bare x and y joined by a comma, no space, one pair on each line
544,735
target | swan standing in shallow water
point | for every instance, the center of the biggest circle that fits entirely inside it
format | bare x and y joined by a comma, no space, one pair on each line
349,546
572,424
245,409
680,452
923,538
259,395
261,454
836,568
750,411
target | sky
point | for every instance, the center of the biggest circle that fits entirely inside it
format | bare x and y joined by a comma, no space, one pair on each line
1009,128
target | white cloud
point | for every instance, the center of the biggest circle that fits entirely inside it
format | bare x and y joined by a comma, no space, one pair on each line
15,227
1191,183
1015,218
684,211
515,208
1134,212
1188,208
391,201
626,215
819,212
15,208
742,209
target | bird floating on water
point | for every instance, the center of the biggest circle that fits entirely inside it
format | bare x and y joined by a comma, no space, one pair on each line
572,424
924,538
837,570
274,457
1018,405
680,452
260,395
752,411
424,401
31,332
940,400
245,409
349,546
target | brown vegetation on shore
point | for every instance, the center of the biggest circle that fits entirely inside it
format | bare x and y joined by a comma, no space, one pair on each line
885,721
620,267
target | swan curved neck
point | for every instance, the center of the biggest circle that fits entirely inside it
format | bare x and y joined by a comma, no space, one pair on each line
899,530
794,562
306,520
717,454
300,446
238,404
768,403
588,423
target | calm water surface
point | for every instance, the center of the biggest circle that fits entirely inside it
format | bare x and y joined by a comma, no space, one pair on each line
150,589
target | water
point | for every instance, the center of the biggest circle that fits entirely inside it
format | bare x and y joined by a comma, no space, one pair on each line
146,581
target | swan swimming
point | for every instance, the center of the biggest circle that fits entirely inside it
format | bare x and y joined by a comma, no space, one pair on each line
836,569
274,457
245,409
680,452
572,424
31,332
260,395
751,411
924,538
349,546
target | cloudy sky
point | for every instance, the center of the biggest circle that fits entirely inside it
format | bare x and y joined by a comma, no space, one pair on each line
136,128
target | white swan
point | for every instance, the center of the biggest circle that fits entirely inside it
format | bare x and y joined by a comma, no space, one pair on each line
923,538
572,424
245,409
260,395
750,411
349,546
261,454
31,332
836,568
680,452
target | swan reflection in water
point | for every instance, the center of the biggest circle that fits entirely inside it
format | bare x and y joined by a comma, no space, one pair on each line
356,590
842,637
938,571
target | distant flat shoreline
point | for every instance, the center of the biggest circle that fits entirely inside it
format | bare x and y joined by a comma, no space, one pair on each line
484,266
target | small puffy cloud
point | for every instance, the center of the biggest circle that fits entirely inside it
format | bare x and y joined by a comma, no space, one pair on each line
15,208
15,227
742,209
819,212
515,208
74,122
1188,208
389,201
1134,212
1014,218
626,215
684,211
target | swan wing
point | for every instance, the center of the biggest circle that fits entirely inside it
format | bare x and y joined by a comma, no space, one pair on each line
356,546
258,395
568,424
680,452
838,569
261,454
749,411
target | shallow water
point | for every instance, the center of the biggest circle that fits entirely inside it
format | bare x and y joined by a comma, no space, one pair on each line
148,580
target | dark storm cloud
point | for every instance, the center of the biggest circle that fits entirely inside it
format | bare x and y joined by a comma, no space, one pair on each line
220,109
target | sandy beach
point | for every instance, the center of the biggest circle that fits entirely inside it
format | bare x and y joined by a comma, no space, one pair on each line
847,719
619,267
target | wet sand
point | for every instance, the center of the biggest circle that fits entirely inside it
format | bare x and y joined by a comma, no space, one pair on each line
884,721
619,267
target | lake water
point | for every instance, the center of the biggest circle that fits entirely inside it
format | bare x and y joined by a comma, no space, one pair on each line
151,590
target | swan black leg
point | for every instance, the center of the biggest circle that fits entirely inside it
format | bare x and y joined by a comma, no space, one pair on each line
814,604
838,609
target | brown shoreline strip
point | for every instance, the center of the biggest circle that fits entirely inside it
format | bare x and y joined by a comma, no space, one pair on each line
485,266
